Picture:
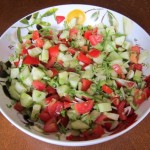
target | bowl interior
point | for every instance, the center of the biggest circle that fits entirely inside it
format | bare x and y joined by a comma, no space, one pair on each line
9,38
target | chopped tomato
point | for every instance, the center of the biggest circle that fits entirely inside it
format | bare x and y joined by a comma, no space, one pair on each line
16,63
63,120
139,97
28,60
67,105
71,50
59,19
51,126
95,30
87,34
18,107
73,32
117,69
50,90
52,98
115,101
84,107
135,49
84,48
120,109
95,39
54,108
54,51
39,42
138,67
35,35
107,89
51,62
66,98
94,53
85,84
84,58
24,51
100,118
44,116
55,72
38,85
147,92
147,80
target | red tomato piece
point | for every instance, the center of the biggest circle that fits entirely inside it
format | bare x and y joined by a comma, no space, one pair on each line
135,49
24,51
115,101
44,116
73,32
84,48
67,105
39,42
107,89
138,67
54,108
87,34
51,126
71,50
59,19
100,118
98,131
117,69
16,63
54,51
84,58
147,80
147,92
28,60
94,53
51,98
38,85
63,120
95,39
85,84
18,107
84,107
50,90
120,110
35,35
139,97
51,62
55,72
66,98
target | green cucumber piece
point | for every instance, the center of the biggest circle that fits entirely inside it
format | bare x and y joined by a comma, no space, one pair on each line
44,57
35,51
47,45
63,47
94,114
35,112
14,73
20,87
38,96
137,76
25,72
37,73
28,81
72,114
120,40
63,77
63,90
125,55
113,56
104,107
26,100
88,74
14,94
79,125
74,79
99,59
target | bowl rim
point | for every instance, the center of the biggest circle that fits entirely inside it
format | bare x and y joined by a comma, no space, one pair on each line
72,143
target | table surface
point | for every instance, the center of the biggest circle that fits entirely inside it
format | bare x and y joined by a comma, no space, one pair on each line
11,137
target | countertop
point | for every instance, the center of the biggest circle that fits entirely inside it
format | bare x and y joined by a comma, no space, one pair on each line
12,138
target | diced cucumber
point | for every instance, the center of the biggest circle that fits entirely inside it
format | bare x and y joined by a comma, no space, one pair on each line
38,96
63,47
113,56
110,30
35,112
80,42
104,107
88,74
99,59
121,49
79,125
63,90
94,114
47,45
64,34
20,87
67,57
112,116
26,100
120,40
92,89
137,76
130,74
74,79
73,63
126,45
14,73
25,72
28,81
117,61
14,94
99,46
72,114
63,77
89,67
44,56
113,73
109,46
125,55
37,73
34,51
143,56
86,119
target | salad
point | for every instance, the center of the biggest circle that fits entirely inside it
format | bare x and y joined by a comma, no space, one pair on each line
83,81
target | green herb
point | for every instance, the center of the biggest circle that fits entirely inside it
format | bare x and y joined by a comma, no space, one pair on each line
35,15
62,129
24,21
95,15
19,35
49,12
58,136
8,105
63,113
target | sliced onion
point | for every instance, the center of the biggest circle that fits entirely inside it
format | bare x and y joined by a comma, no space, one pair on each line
114,125
78,100
127,110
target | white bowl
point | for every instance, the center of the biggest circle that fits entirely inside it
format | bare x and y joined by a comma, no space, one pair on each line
136,35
